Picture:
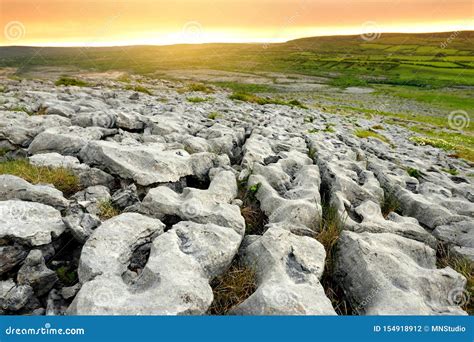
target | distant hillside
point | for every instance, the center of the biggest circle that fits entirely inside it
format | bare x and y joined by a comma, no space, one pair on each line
414,59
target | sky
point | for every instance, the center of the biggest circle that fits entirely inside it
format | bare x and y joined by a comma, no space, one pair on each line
161,22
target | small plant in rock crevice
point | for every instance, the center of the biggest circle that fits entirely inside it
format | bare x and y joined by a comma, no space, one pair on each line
255,219
390,203
67,276
107,210
415,173
463,266
331,226
214,115
232,288
452,172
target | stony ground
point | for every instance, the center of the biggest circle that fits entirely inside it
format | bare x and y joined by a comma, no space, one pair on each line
171,193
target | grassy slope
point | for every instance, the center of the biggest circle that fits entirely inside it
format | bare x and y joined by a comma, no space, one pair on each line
414,59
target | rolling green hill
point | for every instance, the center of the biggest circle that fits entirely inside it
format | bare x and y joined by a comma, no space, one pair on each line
424,60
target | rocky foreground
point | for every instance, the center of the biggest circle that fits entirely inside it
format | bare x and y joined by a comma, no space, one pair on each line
175,171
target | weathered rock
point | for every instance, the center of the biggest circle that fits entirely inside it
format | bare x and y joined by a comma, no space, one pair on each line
174,281
289,190
35,273
32,223
58,109
16,188
55,304
201,206
146,164
10,257
124,198
130,120
386,274
288,269
95,119
18,297
111,245
66,141
374,222
20,129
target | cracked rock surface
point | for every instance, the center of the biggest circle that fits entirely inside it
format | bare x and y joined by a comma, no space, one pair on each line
169,193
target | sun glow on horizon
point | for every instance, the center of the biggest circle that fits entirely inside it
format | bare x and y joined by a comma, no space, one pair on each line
144,22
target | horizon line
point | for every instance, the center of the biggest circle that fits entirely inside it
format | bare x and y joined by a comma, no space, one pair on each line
265,42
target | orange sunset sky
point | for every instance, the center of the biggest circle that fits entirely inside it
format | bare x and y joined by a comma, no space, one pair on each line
126,22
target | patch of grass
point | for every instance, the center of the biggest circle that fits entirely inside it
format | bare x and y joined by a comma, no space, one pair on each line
463,266
198,87
62,179
69,81
139,88
296,103
214,115
19,108
452,172
438,143
232,288
265,100
364,133
248,88
313,130
415,173
390,203
107,210
67,276
378,127
462,144
331,227
197,99
3,89
309,119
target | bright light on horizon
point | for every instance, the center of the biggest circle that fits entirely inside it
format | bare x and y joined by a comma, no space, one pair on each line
145,22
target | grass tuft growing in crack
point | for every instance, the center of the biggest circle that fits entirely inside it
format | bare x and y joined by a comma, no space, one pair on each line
415,173
463,266
107,210
331,227
67,276
232,288
255,218
390,203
